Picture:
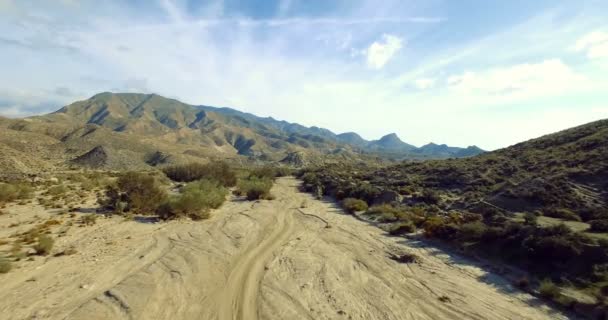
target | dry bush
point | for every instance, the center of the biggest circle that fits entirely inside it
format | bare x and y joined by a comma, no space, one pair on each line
89,219
218,171
16,191
352,205
44,245
255,188
134,191
402,228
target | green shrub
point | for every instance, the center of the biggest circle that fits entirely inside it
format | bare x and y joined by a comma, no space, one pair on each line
195,200
255,188
402,228
548,289
44,245
218,171
212,194
5,265
134,191
352,205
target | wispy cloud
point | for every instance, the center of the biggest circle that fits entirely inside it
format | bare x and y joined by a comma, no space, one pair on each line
416,69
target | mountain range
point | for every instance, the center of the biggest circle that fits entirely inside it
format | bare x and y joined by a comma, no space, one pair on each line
131,130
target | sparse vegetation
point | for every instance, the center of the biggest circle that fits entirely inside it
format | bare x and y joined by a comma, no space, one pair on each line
89,219
15,191
510,204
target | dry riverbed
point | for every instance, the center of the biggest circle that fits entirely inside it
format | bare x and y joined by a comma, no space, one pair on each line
290,258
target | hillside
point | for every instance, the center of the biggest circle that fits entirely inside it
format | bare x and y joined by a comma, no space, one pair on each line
540,205
130,131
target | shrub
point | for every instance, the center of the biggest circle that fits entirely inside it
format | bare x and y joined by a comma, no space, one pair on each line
561,213
211,193
44,245
472,231
255,188
598,225
548,289
136,192
402,228
218,171
5,265
195,200
352,205
89,219
437,227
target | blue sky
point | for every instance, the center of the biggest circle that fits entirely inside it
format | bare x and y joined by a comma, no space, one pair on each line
490,73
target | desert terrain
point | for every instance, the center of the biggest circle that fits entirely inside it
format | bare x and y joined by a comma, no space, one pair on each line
293,257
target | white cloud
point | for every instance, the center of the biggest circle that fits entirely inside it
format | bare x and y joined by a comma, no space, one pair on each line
517,81
594,44
425,83
380,52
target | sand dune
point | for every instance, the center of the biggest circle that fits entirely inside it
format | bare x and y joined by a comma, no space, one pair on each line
257,260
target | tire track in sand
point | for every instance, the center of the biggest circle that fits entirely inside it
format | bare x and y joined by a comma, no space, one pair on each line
239,298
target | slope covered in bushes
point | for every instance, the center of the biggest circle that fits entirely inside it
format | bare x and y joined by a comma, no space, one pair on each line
493,204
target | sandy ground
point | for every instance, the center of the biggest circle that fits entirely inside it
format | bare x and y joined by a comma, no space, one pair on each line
254,260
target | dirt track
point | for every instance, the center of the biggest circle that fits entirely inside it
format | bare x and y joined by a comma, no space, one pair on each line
262,260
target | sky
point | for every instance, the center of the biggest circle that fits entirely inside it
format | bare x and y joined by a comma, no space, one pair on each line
467,72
